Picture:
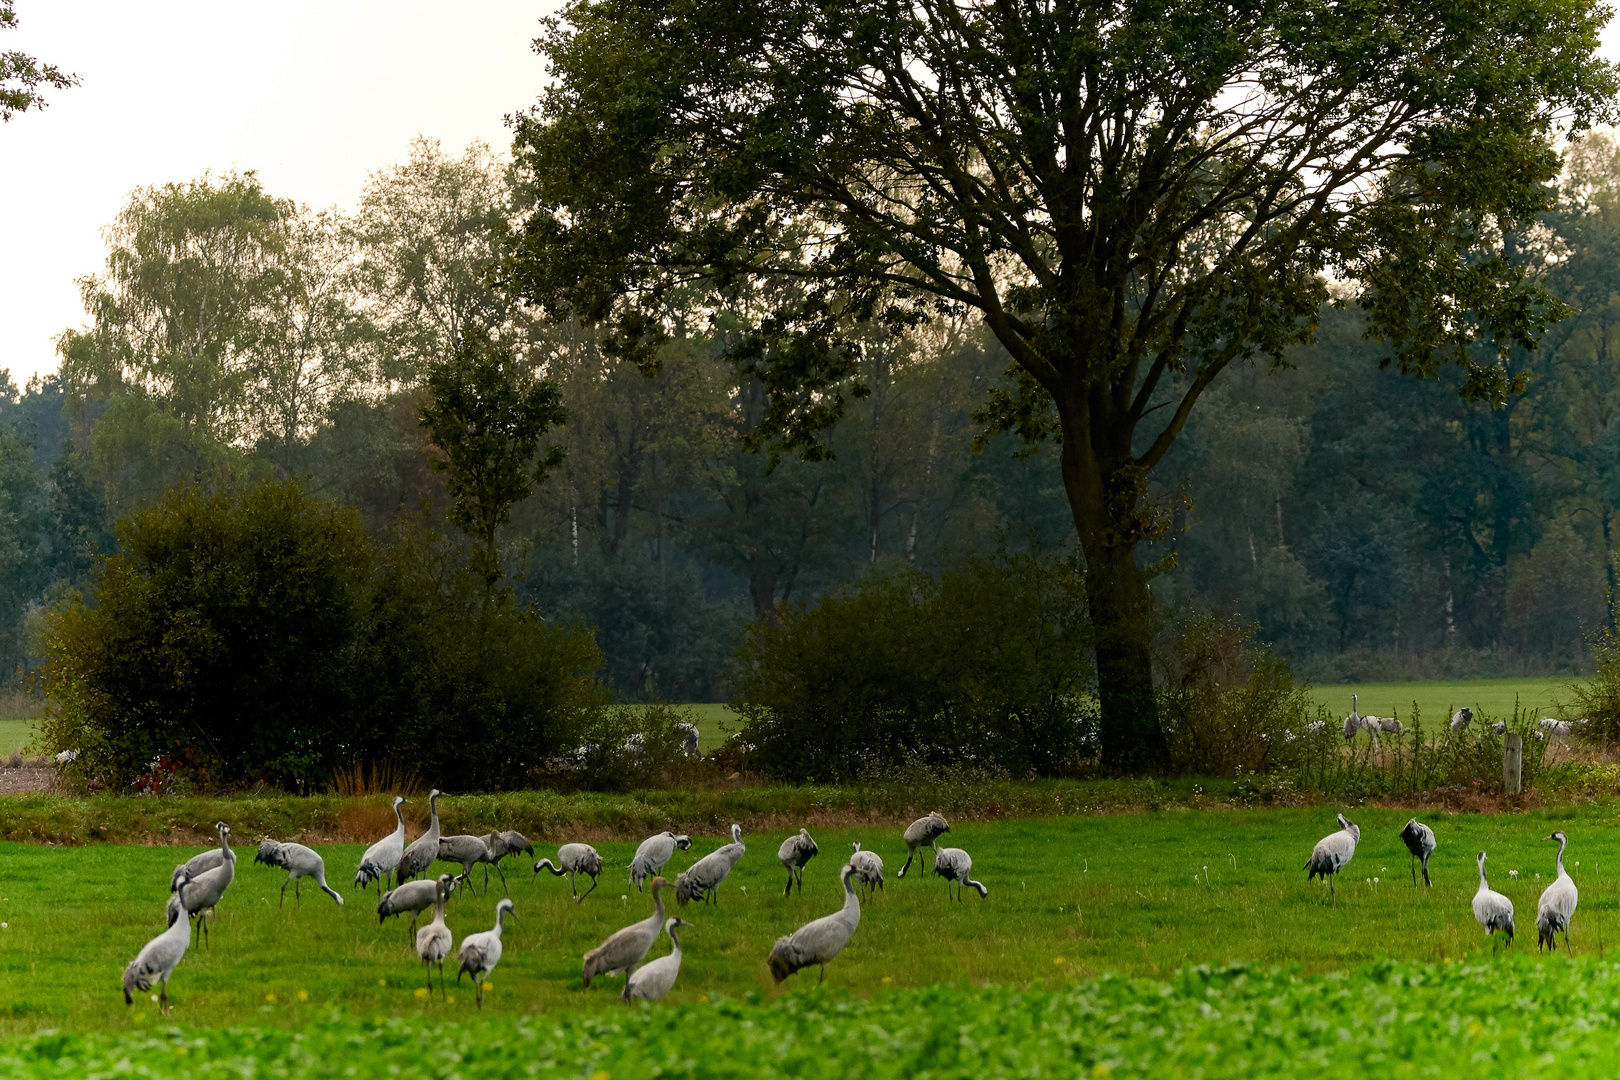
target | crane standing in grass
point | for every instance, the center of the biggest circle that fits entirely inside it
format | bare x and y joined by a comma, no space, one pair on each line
467,850
1557,905
413,896
624,948
1352,723
433,941
1419,840
868,869
502,843
921,834
956,867
704,878
1333,853
821,940
157,961
1493,910
574,859
793,854
382,858
481,952
417,859
654,854
197,896
652,980
300,862
201,863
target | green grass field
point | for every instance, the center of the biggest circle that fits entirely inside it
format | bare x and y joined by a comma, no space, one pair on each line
1439,699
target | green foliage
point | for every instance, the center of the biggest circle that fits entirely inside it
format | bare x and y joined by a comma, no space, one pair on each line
487,416
983,667
257,636
21,75
1597,699
1229,705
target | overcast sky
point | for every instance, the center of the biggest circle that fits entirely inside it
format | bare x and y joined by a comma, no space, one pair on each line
314,94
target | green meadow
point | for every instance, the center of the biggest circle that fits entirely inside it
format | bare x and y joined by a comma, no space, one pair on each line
1437,700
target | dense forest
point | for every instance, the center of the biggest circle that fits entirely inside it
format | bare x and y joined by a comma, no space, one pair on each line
1369,524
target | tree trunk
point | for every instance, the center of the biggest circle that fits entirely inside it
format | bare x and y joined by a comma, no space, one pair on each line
1106,490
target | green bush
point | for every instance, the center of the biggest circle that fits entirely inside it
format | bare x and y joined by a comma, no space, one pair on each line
240,637
984,667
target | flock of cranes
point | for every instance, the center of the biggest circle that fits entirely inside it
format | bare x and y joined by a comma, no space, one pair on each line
200,884
1546,728
1493,911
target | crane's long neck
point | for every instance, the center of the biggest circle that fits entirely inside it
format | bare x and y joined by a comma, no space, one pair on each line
1483,887
676,951
852,900
399,814
433,815
500,921
658,903
1561,844
438,905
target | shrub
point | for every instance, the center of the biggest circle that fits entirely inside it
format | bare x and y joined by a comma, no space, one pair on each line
984,666
1597,699
250,636
1229,705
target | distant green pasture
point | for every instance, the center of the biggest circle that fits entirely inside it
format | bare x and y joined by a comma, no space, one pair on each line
1440,698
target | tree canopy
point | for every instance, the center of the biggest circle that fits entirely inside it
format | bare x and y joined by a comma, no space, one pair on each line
22,75
1132,196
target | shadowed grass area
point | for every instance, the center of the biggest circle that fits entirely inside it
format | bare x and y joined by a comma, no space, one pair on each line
1144,894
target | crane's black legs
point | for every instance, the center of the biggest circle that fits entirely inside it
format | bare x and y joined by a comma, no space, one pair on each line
1426,880
1414,872
589,890
504,890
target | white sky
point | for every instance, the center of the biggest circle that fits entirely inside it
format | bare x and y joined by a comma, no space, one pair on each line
313,94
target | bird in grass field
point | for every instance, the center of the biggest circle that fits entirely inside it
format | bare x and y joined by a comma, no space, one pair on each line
652,980
820,941
574,859
434,940
1493,910
424,850
300,862
200,864
955,866
704,878
157,961
654,854
1557,904
624,948
198,895
481,952
413,896
1332,853
1419,840
382,858
793,854
501,843
921,834
469,851
868,869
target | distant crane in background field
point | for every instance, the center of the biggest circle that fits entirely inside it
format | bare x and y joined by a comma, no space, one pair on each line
1460,720
793,854
300,862
1557,904
1352,723
382,858
424,850
1493,910
574,859
921,834
1419,840
1332,853
821,940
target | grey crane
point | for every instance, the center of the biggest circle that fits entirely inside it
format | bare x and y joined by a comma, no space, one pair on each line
200,863
956,867
300,862
921,834
501,843
433,941
413,896
689,740
573,859
1460,720
1352,723
157,960
1493,910
702,881
1557,904
424,850
467,850
481,952
820,940
868,869
382,858
624,948
1557,729
1419,840
1332,853
652,980
793,854
197,896
654,854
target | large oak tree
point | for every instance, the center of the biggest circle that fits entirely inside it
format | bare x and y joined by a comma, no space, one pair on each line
1133,195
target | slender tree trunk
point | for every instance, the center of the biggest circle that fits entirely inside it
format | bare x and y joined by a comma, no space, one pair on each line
1106,490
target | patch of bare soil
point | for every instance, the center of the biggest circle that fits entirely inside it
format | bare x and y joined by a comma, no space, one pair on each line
26,779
